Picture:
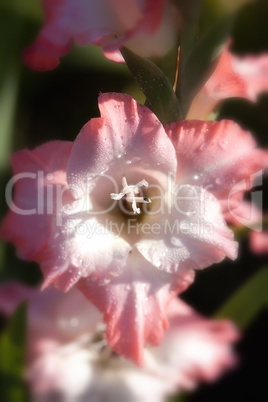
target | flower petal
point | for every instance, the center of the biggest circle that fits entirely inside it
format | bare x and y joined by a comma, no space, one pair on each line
107,23
259,242
83,247
196,348
52,315
134,306
40,191
216,155
193,235
244,77
127,134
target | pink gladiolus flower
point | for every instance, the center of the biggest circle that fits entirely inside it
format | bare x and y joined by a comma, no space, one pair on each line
127,213
114,213
68,355
234,76
127,264
148,28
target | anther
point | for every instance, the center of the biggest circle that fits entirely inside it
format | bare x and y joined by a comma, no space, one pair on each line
130,192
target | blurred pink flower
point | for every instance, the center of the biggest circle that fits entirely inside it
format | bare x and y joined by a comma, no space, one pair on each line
234,76
148,28
247,215
72,214
68,355
221,157
259,242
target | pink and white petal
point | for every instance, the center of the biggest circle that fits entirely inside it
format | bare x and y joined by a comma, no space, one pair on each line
193,236
127,136
147,43
134,306
245,214
68,20
128,13
223,83
40,190
59,369
196,348
107,23
244,77
259,242
52,314
154,34
253,71
78,251
216,155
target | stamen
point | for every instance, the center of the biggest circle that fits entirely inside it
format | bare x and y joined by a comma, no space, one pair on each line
129,191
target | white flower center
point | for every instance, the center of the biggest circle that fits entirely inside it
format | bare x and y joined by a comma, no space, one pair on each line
130,193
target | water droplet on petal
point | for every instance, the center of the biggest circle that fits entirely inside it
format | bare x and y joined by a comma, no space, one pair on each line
224,144
146,165
49,176
202,146
176,242
74,322
135,159
219,180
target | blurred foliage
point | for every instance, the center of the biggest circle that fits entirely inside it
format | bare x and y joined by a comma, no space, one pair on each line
12,352
248,300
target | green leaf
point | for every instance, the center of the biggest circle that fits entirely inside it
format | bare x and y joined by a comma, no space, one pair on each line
245,304
12,352
196,65
221,7
190,12
24,8
205,27
8,99
160,97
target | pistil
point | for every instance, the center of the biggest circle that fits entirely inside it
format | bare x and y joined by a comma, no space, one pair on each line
130,191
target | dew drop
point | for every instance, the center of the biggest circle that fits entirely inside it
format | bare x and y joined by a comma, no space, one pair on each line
219,180
74,322
135,159
224,144
50,176
176,242
146,165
